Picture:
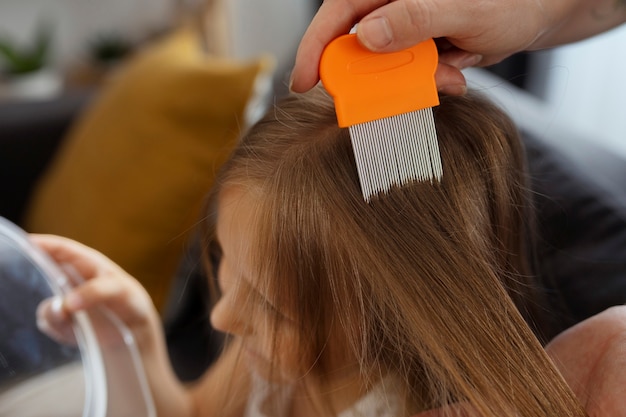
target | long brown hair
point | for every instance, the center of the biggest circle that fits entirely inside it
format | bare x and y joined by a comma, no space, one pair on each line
427,282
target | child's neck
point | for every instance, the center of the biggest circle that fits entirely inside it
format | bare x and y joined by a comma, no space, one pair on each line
312,397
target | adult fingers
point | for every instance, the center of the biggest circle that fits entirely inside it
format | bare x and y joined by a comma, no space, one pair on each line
334,18
383,26
489,30
491,27
450,80
403,23
452,60
595,369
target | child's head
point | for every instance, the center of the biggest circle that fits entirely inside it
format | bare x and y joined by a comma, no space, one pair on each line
423,283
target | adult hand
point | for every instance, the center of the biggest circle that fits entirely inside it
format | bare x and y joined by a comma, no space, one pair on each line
477,32
469,33
592,358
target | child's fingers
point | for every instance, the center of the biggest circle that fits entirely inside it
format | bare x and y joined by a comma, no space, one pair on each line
121,294
96,282
95,278
104,290
54,315
125,298
54,321
98,298
87,262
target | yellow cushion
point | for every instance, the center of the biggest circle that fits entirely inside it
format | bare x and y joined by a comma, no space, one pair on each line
132,174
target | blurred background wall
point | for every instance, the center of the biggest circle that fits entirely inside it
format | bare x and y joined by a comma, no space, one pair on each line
583,84
273,26
76,23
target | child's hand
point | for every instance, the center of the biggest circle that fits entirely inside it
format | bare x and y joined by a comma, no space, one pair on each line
100,283
103,286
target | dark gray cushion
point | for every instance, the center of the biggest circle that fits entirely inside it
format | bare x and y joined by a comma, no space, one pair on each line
581,236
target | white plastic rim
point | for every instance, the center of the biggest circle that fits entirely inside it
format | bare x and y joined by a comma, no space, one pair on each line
93,366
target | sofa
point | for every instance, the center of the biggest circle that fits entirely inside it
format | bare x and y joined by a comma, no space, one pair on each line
125,167
30,135
580,202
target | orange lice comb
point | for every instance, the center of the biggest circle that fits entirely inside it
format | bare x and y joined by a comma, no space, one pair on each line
386,100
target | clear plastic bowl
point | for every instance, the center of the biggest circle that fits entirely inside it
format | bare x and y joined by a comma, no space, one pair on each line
100,375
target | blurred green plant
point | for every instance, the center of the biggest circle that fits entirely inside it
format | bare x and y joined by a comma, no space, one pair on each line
108,48
16,59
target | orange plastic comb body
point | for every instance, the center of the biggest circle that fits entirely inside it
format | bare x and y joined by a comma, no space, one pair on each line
368,86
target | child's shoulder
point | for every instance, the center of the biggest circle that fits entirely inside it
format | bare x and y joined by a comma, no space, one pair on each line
382,400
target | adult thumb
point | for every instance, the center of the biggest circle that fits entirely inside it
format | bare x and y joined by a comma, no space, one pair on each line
400,24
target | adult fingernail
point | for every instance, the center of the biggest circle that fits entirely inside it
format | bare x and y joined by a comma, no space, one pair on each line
470,61
291,83
453,89
375,33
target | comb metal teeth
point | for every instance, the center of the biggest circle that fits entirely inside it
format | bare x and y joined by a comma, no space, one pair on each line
396,150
